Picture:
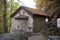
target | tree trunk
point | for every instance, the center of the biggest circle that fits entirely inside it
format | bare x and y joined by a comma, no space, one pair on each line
5,9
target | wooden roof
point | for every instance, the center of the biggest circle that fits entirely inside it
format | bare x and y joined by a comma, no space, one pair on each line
31,10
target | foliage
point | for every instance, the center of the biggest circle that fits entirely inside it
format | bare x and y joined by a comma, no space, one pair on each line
1,16
9,10
48,4
11,7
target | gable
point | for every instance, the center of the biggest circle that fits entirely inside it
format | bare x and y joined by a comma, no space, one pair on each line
31,10
20,11
22,14
17,14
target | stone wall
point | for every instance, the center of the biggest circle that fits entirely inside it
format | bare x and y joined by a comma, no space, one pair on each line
23,24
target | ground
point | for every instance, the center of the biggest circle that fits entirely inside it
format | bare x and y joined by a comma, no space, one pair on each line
35,37
3,36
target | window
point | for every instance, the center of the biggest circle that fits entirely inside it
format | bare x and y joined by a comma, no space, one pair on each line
46,20
58,22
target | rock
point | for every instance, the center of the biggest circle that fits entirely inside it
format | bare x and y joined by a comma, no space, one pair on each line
17,35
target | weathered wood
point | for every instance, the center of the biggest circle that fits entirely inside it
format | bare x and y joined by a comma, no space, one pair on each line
37,22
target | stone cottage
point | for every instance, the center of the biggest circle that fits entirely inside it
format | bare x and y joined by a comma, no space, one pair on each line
28,19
